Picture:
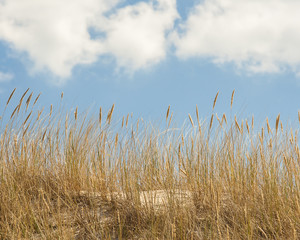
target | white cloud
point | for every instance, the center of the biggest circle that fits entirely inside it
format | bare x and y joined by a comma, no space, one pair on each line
54,34
6,77
136,35
256,35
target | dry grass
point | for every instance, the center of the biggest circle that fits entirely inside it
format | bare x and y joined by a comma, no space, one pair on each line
69,177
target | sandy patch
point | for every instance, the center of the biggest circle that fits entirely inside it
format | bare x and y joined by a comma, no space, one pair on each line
155,198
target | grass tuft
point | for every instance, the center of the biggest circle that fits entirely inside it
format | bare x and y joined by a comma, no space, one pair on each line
65,177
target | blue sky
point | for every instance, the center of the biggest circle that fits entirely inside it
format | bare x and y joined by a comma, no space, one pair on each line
145,55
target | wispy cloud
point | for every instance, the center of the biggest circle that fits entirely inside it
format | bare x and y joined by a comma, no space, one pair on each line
6,77
258,36
55,36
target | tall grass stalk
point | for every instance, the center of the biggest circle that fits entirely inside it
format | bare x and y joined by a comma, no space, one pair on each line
67,177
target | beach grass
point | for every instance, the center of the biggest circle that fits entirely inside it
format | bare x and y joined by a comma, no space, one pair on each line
69,176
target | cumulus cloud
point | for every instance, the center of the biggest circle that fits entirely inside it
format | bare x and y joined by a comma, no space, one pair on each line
55,35
256,35
6,77
136,35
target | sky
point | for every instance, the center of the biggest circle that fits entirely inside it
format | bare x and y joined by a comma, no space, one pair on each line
143,56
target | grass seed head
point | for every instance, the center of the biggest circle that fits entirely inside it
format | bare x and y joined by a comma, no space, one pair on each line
100,116
247,126
191,120
21,100
268,126
36,99
27,118
211,121
13,113
123,121
127,118
75,113
51,108
237,124
28,101
109,115
215,100
168,111
10,96
224,117
197,114
232,95
277,122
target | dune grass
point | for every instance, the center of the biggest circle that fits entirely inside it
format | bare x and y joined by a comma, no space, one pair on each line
73,177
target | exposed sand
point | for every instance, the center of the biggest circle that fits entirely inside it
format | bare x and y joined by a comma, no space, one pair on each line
158,199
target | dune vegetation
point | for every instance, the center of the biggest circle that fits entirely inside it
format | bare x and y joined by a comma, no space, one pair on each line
69,176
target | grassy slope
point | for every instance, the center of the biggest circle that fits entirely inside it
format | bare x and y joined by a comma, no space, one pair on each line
60,177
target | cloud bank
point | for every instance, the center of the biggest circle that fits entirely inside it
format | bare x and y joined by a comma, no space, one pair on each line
257,36
55,34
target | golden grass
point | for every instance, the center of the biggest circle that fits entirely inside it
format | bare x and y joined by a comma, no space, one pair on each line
69,177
